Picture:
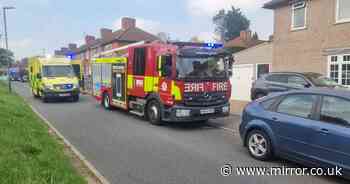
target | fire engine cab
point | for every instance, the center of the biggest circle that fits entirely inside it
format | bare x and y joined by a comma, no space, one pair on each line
165,81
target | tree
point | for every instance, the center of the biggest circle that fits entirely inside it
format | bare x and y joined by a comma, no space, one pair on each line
6,57
230,23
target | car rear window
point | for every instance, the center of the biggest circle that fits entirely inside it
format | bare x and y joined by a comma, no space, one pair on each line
280,78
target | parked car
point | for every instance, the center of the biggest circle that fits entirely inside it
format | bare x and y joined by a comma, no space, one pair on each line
285,81
309,126
3,78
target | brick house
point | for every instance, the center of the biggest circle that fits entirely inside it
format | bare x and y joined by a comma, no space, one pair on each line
243,41
129,33
64,51
312,36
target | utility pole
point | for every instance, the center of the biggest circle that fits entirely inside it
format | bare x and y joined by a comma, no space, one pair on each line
6,42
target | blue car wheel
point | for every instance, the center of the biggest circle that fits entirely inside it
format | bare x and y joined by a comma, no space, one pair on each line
259,145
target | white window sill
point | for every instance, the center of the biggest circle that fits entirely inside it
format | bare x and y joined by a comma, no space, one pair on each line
342,21
298,28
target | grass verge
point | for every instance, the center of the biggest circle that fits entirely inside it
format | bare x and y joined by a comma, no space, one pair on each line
28,154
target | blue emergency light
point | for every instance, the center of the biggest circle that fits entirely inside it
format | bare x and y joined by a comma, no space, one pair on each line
214,45
70,56
204,45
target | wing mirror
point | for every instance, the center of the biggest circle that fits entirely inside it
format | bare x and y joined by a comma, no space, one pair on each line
308,85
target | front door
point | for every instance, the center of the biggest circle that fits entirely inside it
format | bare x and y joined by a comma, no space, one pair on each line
241,81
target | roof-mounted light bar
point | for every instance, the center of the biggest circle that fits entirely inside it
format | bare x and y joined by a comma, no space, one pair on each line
194,44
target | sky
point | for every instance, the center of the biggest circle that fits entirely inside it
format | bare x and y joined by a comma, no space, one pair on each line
41,26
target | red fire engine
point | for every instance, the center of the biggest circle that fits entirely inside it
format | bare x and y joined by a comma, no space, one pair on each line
165,82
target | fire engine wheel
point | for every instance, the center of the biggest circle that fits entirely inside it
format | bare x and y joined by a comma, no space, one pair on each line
106,102
153,113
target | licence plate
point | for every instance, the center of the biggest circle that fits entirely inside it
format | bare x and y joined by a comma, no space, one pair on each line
64,95
207,111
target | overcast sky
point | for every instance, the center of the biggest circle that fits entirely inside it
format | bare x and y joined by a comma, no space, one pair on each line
36,25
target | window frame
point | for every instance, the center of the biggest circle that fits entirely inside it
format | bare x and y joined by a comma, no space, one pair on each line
337,60
338,20
319,109
293,28
257,69
314,109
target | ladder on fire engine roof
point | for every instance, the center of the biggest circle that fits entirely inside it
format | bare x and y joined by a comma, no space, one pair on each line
118,49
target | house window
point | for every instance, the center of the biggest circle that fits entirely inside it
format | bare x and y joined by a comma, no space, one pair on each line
339,69
343,11
262,69
299,15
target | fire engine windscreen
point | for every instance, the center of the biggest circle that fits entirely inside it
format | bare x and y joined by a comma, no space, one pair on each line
58,71
200,68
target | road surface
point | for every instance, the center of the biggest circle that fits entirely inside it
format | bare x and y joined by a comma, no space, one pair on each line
128,150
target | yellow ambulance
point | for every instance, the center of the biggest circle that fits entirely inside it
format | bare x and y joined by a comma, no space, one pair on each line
52,78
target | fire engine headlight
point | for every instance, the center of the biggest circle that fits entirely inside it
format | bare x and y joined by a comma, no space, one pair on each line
183,113
226,109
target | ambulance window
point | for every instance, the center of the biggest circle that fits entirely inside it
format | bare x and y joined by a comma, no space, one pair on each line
139,61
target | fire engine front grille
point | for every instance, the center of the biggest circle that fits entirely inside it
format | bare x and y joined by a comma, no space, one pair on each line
205,99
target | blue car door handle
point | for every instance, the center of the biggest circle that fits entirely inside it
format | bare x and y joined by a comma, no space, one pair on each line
324,131
274,119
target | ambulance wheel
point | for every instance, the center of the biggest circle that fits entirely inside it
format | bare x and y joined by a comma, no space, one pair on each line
35,95
153,113
75,98
106,101
44,99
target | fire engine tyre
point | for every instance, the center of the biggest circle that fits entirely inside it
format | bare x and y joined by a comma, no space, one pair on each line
154,113
106,101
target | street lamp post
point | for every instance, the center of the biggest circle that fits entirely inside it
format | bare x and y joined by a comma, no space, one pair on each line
6,42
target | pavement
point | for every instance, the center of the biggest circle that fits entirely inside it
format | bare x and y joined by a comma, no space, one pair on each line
128,150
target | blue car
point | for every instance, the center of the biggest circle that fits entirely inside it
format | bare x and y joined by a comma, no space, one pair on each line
308,126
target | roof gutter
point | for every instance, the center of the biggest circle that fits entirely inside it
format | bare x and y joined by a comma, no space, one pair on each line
118,49
273,4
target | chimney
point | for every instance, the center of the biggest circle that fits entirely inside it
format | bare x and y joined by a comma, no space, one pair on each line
72,46
89,39
106,34
128,23
245,35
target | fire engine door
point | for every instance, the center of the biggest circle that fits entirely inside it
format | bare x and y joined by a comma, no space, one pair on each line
165,68
119,80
